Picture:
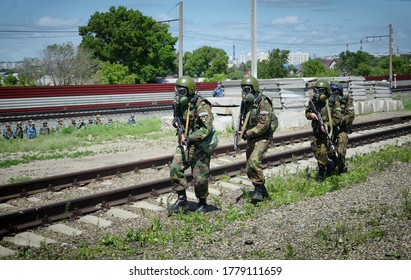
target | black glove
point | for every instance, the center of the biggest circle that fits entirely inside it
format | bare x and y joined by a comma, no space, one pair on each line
175,122
189,142
245,136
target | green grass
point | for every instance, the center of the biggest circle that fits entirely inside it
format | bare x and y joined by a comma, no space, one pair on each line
65,144
406,100
160,240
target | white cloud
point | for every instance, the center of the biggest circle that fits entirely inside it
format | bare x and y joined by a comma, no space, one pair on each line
286,20
56,22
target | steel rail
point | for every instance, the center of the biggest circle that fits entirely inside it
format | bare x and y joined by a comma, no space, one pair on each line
31,217
55,183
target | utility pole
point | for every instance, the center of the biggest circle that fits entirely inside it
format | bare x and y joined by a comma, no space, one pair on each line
391,49
254,38
180,45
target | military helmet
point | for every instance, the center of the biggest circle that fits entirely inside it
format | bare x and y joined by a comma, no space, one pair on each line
98,116
19,123
187,83
251,82
323,84
336,86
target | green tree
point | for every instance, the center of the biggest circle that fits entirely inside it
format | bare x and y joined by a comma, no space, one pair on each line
30,71
313,67
67,65
205,62
400,65
127,37
10,80
274,66
236,75
245,67
350,61
116,74
263,70
277,59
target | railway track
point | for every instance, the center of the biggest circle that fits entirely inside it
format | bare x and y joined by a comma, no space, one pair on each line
154,107
56,183
81,113
12,222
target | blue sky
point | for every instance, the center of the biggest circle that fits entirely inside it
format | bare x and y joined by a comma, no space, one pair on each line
319,27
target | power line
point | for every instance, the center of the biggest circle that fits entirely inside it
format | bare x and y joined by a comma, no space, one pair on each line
38,31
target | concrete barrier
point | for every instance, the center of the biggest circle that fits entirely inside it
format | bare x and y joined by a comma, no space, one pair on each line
290,97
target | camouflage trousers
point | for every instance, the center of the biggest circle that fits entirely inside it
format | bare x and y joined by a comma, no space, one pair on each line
199,162
255,152
340,143
321,149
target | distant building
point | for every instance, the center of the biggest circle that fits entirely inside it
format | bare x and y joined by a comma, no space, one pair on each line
247,57
9,65
297,58
330,63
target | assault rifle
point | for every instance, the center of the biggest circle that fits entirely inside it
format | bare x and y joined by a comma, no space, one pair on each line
178,116
240,129
325,129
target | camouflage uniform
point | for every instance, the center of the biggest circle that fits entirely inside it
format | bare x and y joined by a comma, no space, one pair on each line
7,133
18,131
193,153
31,131
259,129
346,108
320,144
200,126
258,135
59,125
98,120
45,129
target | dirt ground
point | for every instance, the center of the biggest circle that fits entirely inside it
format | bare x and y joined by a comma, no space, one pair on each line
122,152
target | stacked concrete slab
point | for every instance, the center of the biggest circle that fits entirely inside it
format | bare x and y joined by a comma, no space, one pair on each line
290,97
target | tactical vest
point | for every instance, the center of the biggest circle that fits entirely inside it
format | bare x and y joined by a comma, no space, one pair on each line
255,115
210,143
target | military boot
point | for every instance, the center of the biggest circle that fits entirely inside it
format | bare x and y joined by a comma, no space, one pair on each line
257,194
265,192
202,205
181,204
330,168
320,175
341,167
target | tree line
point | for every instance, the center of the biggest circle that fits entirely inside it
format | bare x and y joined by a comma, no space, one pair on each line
122,46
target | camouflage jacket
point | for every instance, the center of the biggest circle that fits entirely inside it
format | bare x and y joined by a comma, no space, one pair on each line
347,113
261,112
201,119
322,108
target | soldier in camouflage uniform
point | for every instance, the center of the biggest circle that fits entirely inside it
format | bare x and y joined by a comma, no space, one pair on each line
45,129
18,131
258,123
7,132
346,107
98,120
197,138
323,135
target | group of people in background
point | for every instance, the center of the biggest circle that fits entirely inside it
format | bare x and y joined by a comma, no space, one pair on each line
29,131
